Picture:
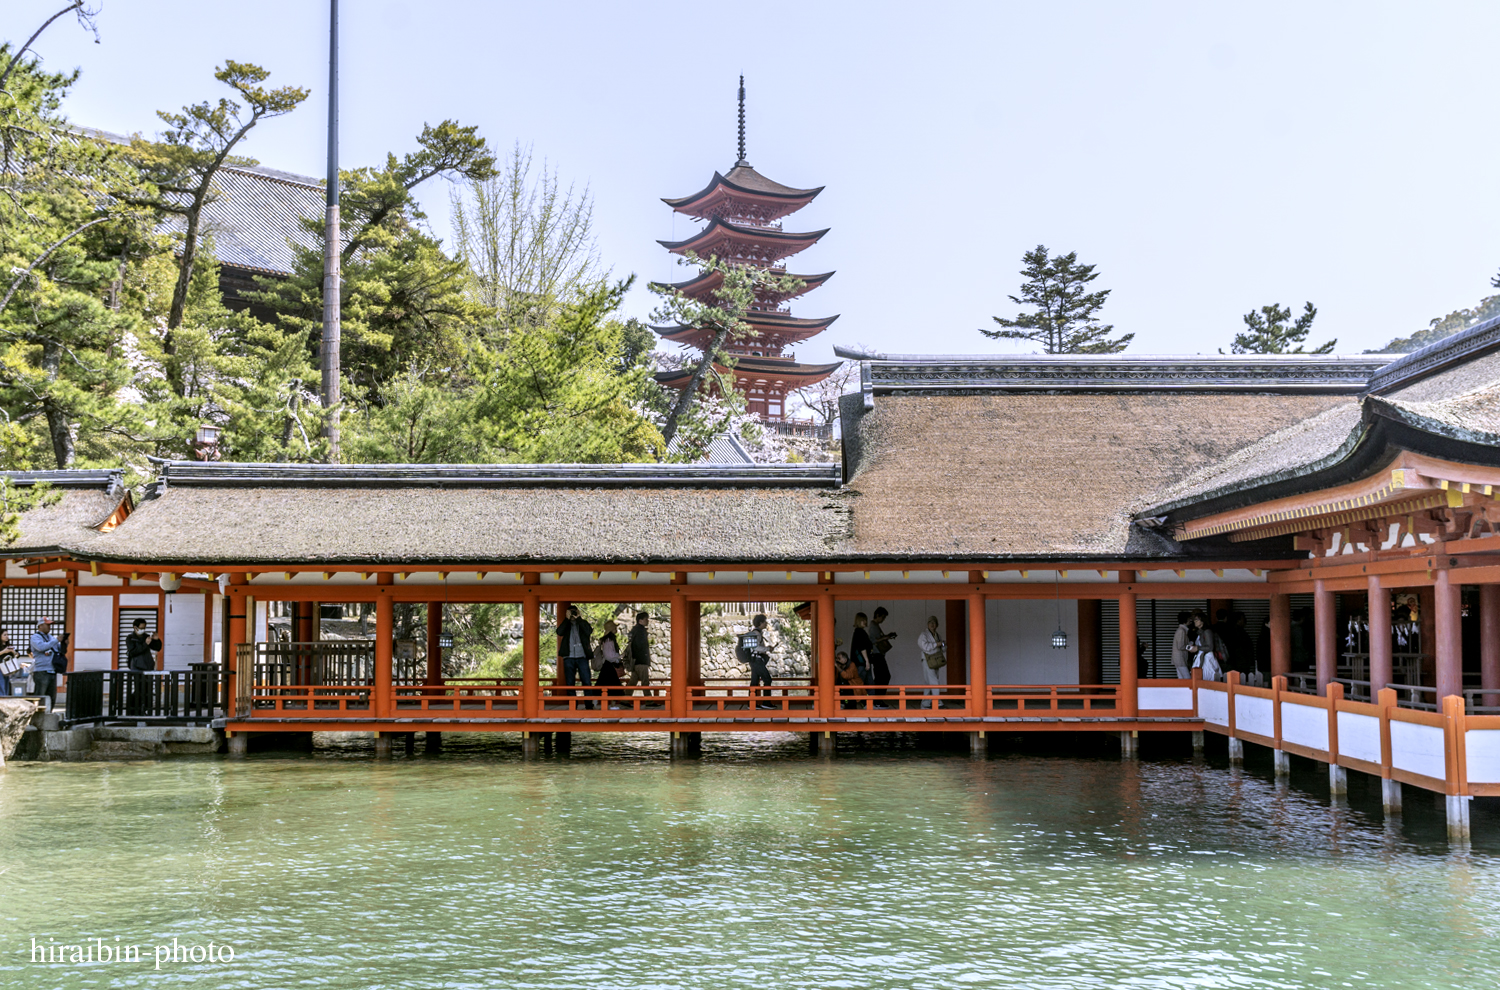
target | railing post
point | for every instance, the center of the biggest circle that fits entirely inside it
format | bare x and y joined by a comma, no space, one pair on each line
1456,764
1379,616
1282,762
1236,744
1338,777
1129,661
1390,790
828,703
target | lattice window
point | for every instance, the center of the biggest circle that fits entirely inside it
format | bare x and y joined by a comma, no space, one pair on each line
21,608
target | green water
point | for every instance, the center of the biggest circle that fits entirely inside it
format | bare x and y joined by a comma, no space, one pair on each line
752,867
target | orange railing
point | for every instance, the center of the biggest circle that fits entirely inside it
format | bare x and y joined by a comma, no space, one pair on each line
468,696
730,699
904,700
308,701
577,701
1077,700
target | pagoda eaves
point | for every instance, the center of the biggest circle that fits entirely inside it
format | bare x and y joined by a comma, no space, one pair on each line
744,194
762,246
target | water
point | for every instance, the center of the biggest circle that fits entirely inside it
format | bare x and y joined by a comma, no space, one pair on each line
752,867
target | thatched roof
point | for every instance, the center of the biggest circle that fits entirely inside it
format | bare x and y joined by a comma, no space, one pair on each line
1042,474
68,516
325,521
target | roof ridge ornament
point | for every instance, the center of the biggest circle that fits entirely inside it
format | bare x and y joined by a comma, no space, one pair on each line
742,163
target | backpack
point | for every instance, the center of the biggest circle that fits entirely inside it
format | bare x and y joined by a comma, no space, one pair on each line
625,655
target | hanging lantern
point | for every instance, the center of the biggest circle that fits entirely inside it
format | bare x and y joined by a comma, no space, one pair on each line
170,583
445,641
1059,638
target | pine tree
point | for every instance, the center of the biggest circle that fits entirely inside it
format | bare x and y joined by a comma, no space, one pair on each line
1065,320
1269,332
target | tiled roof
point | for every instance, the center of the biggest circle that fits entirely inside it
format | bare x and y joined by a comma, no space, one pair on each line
258,212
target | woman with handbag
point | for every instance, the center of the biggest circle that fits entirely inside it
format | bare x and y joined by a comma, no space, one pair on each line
934,657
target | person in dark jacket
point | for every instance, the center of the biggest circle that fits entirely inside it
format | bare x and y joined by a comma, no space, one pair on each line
1239,644
640,650
141,647
575,647
861,646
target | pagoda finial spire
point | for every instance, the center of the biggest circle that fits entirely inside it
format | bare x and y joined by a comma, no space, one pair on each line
742,160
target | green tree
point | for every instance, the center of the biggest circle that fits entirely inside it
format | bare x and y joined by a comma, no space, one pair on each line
1444,326
1065,320
199,141
1270,330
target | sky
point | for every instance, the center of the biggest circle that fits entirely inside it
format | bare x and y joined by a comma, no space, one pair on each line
1209,159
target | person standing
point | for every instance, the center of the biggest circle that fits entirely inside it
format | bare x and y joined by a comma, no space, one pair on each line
1182,656
880,671
934,657
640,650
574,647
860,646
140,657
47,660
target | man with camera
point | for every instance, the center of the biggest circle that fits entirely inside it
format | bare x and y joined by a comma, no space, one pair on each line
49,660
574,647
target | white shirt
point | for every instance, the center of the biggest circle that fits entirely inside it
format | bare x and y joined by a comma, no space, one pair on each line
929,642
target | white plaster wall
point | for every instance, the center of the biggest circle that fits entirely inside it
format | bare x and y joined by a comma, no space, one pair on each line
1254,714
1213,706
1152,699
182,632
87,580
1482,749
94,622
1359,736
217,654
908,620
262,617
140,601
1304,725
1418,749
1019,640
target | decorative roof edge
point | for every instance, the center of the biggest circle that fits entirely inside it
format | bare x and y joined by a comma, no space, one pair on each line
1437,356
910,374
249,475
110,480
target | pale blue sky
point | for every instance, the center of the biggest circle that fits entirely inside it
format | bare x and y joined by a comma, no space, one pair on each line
1209,158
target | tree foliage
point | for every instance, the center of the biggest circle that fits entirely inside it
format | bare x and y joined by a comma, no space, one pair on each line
1065,320
1271,330
1444,326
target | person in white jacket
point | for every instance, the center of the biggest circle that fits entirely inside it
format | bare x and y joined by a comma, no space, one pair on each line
931,644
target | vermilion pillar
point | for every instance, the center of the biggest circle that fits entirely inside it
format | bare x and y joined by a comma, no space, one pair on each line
1489,641
233,637
1449,645
531,655
1325,636
1281,635
979,680
1129,662
827,682
1379,611
678,686
434,642
385,630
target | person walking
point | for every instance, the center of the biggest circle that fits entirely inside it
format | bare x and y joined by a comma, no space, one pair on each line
607,662
934,658
880,671
48,661
575,648
755,650
639,650
1182,656
860,646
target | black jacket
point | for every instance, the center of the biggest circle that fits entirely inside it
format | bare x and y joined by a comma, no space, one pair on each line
139,648
640,647
565,635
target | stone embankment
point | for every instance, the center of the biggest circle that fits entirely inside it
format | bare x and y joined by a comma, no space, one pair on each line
28,733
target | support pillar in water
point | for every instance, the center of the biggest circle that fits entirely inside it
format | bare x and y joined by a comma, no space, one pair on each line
1198,741
1458,817
1236,750
531,745
685,744
411,743
824,745
1390,797
979,744
434,743
239,744
1282,760
382,745
1130,744
1338,780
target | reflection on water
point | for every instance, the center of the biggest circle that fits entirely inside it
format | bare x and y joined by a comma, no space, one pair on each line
754,866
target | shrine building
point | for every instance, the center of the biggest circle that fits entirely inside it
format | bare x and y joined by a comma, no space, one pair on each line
1054,514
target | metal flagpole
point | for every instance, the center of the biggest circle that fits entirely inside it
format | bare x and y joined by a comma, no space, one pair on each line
331,244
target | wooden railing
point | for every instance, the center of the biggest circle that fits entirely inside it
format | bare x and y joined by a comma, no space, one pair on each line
712,700
193,695
308,701
459,696
577,701
1052,699
903,700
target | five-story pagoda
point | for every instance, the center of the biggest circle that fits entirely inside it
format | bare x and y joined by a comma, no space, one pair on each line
744,210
